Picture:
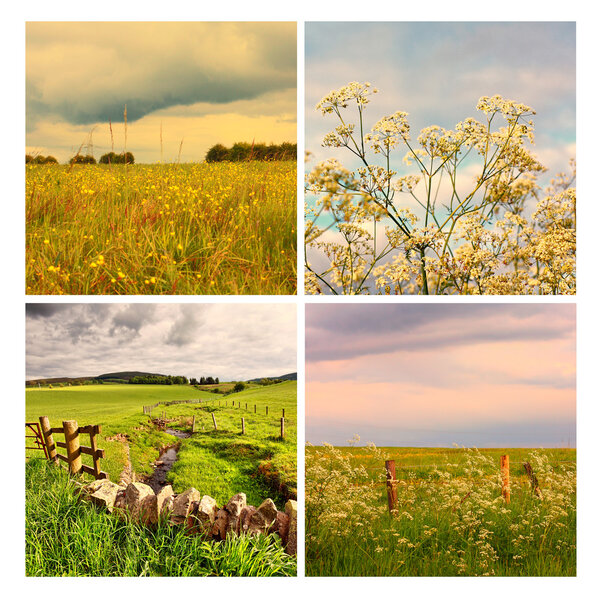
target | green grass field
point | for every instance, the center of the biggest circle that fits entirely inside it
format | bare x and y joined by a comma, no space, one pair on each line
450,519
220,463
207,228
62,536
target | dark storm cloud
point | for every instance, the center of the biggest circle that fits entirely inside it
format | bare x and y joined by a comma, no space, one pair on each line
340,332
87,72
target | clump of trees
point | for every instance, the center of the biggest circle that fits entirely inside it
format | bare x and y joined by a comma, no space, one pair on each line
40,160
160,379
204,381
112,158
243,151
83,159
240,386
268,381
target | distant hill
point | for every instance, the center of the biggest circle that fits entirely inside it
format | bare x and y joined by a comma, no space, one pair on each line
120,376
127,375
286,377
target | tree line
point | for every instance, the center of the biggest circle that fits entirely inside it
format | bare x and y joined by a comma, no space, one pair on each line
160,379
243,151
111,158
204,381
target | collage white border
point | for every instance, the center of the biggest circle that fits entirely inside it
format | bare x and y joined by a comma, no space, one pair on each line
13,313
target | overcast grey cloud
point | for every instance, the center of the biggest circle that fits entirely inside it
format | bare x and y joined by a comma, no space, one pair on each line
229,341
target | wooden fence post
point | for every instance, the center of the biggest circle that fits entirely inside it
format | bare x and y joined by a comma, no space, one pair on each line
505,471
390,474
193,423
282,428
72,443
243,427
535,486
47,433
246,406
214,420
266,410
283,412
94,445
255,409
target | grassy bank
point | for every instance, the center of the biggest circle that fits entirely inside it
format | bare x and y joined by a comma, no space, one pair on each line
450,520
68,538
219,228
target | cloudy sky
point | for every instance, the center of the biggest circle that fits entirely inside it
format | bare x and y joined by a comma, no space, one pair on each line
229,341
438,71
485,375
206,83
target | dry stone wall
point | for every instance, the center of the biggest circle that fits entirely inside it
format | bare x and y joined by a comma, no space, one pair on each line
200,515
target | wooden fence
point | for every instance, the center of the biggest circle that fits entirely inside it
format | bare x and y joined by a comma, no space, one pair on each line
38,438
72,445
392,493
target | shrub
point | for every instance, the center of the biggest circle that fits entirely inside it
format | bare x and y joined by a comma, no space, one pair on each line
80,159
117,159
40,160
217,153
240,386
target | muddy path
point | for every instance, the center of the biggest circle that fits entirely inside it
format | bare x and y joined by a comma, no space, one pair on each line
165,462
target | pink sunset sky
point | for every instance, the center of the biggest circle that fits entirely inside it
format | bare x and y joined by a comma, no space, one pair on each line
491,375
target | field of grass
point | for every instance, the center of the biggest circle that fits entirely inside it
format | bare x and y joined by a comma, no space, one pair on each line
208,228
450,518
68,538
63,536
219,463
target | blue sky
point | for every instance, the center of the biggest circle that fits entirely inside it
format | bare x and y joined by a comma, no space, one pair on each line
437,72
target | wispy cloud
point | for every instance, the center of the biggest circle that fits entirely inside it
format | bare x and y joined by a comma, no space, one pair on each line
461,369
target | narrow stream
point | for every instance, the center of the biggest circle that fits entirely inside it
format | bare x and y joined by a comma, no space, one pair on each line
165,462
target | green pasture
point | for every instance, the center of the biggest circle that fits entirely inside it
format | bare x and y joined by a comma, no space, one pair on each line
220,463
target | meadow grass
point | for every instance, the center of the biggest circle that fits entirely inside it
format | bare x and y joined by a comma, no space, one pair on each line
65,537
207,228
450,519
219,463
259,463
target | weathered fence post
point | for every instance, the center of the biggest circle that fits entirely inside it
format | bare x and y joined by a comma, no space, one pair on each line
214,421
94,446
243,426
72,442
193,423
390,474
535,486
505,471
283,412
282,428
246,406
47,433
255,409
266,410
